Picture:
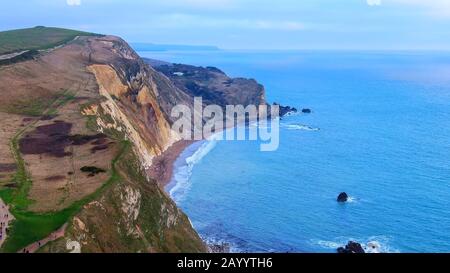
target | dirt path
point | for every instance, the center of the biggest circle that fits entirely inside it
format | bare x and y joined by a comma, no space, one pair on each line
12,55
5,218
52,237
3,208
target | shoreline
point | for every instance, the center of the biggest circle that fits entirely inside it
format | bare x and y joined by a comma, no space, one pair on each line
162,168
162,171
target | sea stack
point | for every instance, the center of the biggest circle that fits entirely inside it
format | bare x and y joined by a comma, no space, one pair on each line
351,248
285,110
342,198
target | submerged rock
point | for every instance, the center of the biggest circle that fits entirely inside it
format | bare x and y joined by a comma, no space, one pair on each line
374,247
351,248
306,111
342,198
219,248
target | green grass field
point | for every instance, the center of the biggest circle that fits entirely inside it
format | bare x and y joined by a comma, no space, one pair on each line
36,38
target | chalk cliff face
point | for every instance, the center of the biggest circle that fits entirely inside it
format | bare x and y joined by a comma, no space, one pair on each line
137,209
130,97
115,111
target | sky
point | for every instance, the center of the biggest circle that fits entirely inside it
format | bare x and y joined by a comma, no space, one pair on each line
248,24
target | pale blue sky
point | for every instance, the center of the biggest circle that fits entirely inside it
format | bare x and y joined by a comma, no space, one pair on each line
248,24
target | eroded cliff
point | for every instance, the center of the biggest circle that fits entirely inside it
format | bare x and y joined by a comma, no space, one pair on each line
82,124
83,121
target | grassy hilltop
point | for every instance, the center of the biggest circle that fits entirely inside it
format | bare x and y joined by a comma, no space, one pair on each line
36,38
57,126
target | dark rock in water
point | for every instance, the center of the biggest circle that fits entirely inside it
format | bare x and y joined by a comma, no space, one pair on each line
343,197
351,248
306,111
286,110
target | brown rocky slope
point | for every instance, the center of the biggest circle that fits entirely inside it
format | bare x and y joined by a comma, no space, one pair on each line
92,104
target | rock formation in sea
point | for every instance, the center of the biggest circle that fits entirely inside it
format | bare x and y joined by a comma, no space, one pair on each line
351,248
286,110
343,197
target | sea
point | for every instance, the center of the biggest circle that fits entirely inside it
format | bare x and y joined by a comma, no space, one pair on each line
379,130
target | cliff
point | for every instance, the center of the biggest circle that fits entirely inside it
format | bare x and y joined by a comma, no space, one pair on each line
212,84
82,123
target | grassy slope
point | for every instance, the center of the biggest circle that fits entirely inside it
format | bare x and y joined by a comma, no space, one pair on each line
30,227
106,225
36,38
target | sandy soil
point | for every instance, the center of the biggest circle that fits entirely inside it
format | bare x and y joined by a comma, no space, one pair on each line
57,178
52,160
11,124
162,167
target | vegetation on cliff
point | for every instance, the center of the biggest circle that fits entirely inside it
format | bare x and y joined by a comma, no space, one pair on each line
37,38
93,104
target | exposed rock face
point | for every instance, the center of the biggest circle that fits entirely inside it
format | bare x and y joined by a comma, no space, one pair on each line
115,98
213,85
342,198
132,96
116,94
351,248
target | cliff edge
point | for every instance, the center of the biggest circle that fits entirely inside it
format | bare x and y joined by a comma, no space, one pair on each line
82,122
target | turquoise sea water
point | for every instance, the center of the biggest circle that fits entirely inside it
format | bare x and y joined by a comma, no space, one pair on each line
384,138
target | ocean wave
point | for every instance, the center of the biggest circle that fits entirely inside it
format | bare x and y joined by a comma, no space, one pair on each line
292,114
328,244
373,244
227,245
299,127
183,172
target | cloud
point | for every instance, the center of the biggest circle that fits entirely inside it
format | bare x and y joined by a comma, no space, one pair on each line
432,7
180,20
73,2
374,2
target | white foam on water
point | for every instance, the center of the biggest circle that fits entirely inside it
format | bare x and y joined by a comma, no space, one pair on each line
328,244
233,247
373,244
292,114
183,172
299,127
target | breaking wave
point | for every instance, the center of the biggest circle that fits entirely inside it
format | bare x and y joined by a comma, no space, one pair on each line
373,244
180,183
299,127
